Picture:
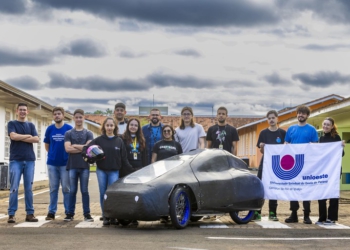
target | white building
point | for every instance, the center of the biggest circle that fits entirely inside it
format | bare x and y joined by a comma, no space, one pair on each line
40,113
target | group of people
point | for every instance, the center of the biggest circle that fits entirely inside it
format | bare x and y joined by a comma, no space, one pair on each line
302,132
129,147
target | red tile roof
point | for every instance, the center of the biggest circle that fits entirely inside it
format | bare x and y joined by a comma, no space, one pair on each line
174,121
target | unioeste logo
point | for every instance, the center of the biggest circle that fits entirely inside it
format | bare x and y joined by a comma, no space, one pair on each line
287,167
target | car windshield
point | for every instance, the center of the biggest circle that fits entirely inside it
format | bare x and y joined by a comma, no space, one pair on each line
152,171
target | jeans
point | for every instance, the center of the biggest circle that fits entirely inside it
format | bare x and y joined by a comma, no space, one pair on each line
17,168
81,174
57,175
105,178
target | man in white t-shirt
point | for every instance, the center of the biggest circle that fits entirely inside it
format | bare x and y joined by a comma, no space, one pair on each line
119,114
190,134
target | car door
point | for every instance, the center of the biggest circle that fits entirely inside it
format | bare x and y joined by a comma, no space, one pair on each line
211,169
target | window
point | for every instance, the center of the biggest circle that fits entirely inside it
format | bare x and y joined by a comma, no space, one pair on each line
7,138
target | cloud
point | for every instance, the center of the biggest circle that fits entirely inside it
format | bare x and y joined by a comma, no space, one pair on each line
125,25
83,48
296,30
322,78
179,12
275,79
79,47
318,47
26,83
15,57
13,6
188,52
99,83
335,11
126,53
154,80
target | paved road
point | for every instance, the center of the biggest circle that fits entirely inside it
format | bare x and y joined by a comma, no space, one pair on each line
222,233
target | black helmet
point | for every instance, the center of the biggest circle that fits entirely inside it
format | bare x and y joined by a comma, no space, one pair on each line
94,153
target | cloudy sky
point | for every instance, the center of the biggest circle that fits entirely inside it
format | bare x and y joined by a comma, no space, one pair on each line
250,56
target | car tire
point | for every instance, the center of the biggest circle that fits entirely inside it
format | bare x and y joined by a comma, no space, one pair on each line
195,218
242,217
180,208
124,222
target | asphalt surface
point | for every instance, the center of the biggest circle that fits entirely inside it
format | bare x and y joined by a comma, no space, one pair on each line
221,233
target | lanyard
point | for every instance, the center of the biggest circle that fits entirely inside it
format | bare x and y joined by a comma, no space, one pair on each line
134,144
154,136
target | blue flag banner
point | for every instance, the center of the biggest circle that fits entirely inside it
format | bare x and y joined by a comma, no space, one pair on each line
297,172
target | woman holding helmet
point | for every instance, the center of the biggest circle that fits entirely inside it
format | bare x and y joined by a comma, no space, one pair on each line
115,158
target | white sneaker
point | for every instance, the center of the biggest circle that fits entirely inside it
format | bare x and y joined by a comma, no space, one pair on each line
329,222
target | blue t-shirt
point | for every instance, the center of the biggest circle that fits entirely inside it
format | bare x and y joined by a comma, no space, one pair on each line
57,155
20,150
156,135
301,134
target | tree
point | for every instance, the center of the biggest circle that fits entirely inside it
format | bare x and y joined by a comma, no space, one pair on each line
98,112
108,111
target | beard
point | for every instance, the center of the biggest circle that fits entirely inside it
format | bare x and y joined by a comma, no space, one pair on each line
302,119
221,120
58,121
155,121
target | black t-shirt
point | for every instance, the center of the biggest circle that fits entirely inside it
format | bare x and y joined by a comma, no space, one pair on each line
271,137
137,158
224,135
165,149
75,160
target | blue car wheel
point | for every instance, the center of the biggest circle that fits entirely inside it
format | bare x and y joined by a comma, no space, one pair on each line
242,217
180,208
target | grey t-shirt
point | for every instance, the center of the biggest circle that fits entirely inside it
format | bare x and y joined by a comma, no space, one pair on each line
77,137
189,137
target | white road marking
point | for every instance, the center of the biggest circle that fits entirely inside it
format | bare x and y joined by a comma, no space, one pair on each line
185,248
278,239
41,222
3,216
335,226
266,223
95,224
221,225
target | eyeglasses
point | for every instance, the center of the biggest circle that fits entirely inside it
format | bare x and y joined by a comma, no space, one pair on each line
186,114
166,131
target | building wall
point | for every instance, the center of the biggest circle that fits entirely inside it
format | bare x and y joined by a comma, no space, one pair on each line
343,123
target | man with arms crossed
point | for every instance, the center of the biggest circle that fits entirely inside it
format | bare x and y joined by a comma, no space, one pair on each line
22,161
152,131
190,134
119,114
271,135
222,135
301,133
56,161
74,141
